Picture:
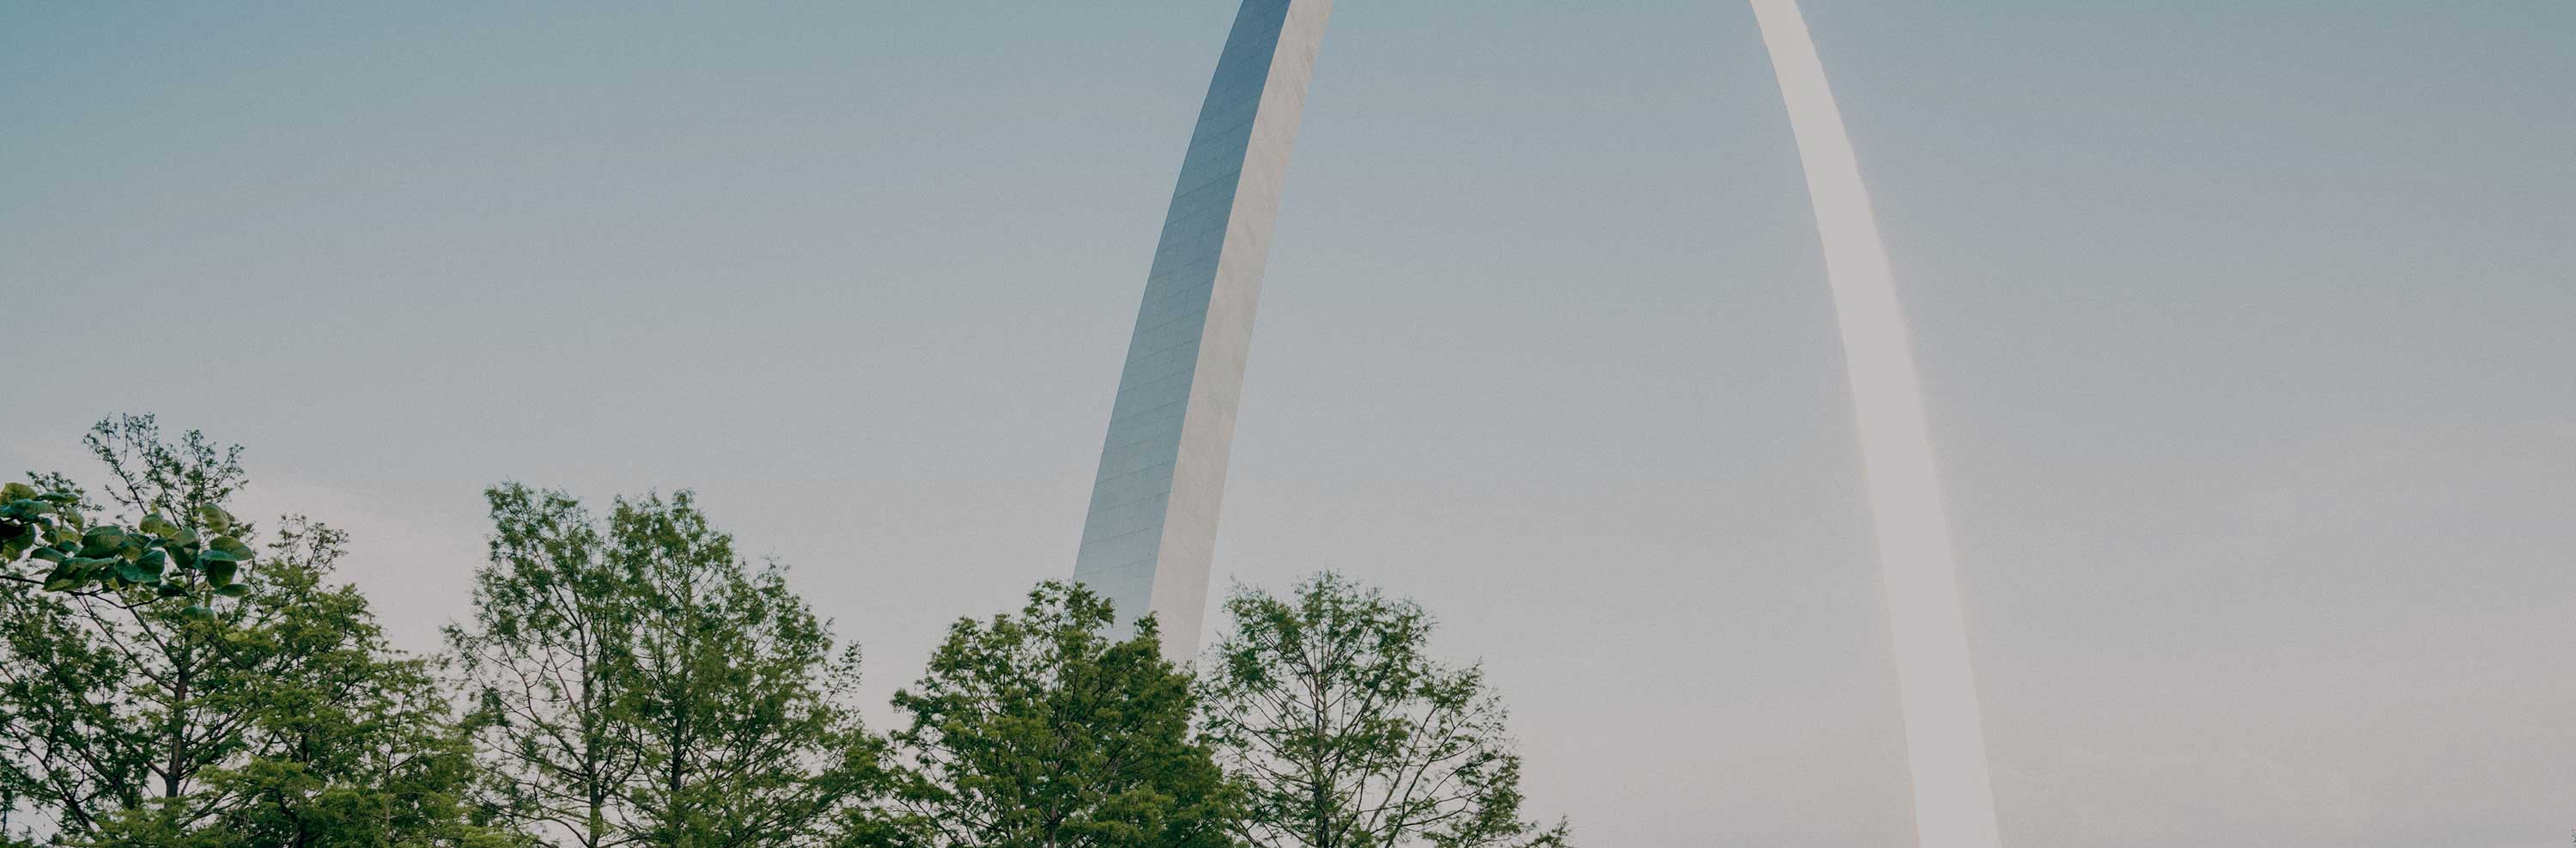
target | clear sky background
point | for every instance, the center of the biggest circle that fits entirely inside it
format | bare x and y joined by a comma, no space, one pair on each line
2246,329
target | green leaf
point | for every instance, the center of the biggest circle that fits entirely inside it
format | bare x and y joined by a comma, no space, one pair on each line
215,517
198,612
220,572
230,545
152,565
47,554
237,590
172,590
102,540
158,526
136,574
16,491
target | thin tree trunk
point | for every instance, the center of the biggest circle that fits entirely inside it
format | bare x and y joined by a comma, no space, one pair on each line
176,730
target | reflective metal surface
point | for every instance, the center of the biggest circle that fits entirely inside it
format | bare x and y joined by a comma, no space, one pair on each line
1152,527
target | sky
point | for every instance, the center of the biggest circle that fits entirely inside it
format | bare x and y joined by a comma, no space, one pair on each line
2243,328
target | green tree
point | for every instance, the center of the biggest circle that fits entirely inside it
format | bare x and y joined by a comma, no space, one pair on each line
357,747
541,664
1040,731
643,685
733,690
1346,734
133,715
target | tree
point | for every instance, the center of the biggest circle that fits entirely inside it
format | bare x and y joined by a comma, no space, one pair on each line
1038,731
132,714
642,685
1346,734
730,687
540,664
356,744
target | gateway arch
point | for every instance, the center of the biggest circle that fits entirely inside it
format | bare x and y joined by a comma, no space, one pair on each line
1151,533
1152,528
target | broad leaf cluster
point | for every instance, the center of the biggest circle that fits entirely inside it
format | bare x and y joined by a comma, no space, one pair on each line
158,554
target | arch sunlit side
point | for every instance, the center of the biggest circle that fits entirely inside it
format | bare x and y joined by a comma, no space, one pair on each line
1954,805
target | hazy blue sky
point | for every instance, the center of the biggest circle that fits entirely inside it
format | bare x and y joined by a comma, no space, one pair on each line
2245,325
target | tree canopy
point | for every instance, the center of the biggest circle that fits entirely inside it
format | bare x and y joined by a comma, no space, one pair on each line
636,683
174,676
1347,734
1041,731
137,712
178,543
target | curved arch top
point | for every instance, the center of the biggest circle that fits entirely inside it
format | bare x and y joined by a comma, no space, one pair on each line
1152,527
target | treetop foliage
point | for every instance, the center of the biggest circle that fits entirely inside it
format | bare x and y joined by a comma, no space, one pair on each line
1039,730
1346,733
171,676
182,545
635,682
135,712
